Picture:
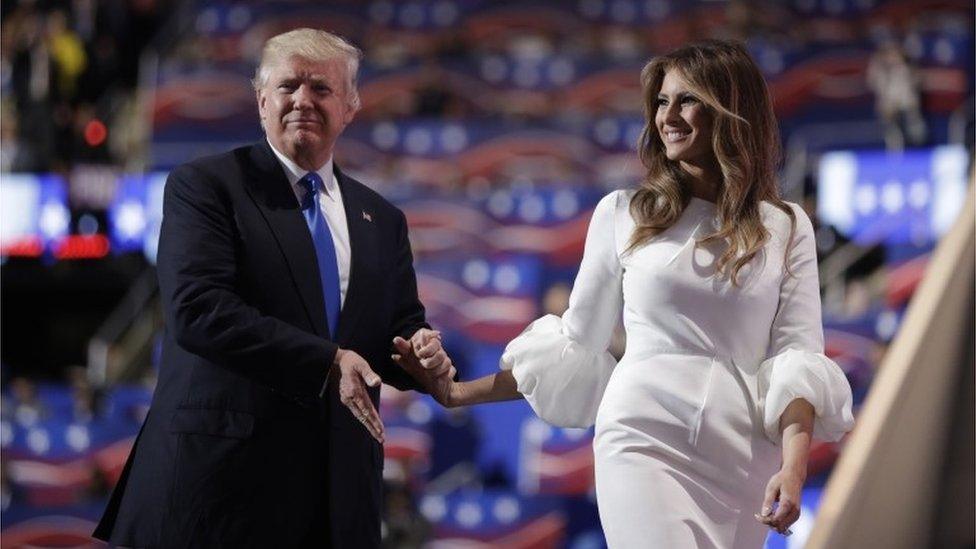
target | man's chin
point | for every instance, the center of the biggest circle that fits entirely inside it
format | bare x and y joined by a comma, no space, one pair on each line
304,141
306,135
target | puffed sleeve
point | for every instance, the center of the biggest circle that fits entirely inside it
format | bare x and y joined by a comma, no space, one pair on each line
562,365
796,366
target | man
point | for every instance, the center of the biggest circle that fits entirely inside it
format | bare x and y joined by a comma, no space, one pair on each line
284,285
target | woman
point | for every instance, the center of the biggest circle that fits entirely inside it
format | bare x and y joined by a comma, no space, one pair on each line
716,279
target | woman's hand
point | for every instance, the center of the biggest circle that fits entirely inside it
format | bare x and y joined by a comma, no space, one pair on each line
354,372
785,489
424,359
786,486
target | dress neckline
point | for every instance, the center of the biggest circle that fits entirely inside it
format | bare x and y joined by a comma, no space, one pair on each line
703,201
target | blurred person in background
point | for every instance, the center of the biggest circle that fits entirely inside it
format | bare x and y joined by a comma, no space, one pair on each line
896,87
27,55
84,399
405,527
283,282
7,488
706,422
67,52
27,407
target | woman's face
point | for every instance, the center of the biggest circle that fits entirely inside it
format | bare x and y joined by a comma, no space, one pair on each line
683,121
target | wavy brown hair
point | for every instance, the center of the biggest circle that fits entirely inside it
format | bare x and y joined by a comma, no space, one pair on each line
745,145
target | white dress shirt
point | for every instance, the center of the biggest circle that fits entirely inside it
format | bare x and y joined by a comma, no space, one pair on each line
330,204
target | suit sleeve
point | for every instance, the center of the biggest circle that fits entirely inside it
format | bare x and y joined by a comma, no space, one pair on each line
197,272
408,312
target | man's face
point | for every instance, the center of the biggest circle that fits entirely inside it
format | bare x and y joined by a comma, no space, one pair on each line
304,106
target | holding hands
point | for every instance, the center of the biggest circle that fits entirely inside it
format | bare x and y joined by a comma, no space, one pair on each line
424,358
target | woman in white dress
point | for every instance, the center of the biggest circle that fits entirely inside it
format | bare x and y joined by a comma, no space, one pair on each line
703,429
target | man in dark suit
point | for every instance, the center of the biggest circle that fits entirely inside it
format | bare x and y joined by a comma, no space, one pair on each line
284,285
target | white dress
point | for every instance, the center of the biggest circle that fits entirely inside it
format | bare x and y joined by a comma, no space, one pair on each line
687,423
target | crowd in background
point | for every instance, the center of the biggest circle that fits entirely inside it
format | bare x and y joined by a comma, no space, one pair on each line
70,69
69,74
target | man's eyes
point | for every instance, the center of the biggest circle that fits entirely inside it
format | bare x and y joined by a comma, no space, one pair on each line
317,88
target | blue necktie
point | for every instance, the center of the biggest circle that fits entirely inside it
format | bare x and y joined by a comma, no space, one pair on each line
325,250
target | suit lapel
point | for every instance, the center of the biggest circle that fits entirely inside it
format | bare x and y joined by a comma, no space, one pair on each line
269,188
362,246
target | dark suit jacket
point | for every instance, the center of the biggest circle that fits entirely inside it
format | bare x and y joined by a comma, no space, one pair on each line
238,450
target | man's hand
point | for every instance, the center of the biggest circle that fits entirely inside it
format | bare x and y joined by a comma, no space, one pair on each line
353,372
424,359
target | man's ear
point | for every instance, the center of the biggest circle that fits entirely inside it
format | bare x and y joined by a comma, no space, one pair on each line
350,113
259,99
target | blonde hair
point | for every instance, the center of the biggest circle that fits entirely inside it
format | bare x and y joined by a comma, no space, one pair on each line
745,144
314,45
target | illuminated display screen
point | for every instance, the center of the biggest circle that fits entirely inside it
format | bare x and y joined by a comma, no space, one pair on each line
34,213
136,213
897,198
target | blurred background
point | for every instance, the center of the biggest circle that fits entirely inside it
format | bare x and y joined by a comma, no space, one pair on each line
496,126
